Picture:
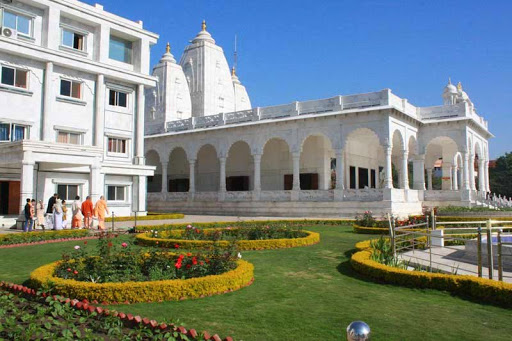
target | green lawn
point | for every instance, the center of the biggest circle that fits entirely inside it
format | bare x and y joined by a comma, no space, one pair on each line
307,293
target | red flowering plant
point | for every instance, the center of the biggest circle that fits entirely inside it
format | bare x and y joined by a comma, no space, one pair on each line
117,261
366,219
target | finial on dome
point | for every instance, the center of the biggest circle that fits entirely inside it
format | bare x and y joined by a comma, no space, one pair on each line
168,48
449,80
459,86
233,71
203,26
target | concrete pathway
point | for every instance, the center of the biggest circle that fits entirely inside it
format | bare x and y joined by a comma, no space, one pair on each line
455,260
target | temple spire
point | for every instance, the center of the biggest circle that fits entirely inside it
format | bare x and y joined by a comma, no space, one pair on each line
203,26
168,48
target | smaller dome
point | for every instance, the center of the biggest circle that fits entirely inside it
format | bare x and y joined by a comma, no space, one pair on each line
168,57
204,35
450,88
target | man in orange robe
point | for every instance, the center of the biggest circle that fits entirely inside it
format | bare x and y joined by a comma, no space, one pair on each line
88,212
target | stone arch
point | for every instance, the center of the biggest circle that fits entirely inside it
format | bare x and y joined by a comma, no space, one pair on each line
178,172
154,184
207,177
315,162
239,167
276,165
439,155
364,159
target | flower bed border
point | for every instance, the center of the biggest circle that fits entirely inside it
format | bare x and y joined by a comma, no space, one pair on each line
243,245
23,238
148,217
49,241
369,230
481,289
128,320
220,224
148,291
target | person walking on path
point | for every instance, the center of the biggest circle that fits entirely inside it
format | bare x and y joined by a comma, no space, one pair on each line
99,212
33,214
64,215
40,213
51,202
27,226
57,214
76,220
87,211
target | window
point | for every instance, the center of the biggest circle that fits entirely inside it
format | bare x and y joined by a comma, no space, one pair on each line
120,50
69,138
116,193
14,77
71,88
118,98
67,192
73,40
116,145
18,22
12,132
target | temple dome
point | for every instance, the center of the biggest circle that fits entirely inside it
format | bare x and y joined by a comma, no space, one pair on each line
203,35
450,88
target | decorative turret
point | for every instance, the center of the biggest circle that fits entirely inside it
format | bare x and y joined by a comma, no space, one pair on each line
242,101
170,100
450,93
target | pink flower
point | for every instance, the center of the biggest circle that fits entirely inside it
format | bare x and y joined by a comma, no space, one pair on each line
77,247
124,245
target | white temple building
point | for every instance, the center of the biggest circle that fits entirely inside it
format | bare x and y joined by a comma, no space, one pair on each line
215,154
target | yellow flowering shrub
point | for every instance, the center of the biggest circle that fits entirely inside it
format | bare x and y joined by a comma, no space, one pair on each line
486,290
147,240
151,291
369,230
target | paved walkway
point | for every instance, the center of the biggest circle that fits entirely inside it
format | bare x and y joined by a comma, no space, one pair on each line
455,260
189,219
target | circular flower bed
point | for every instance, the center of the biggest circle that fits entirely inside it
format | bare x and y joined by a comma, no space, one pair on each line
116,272
256,238
148,291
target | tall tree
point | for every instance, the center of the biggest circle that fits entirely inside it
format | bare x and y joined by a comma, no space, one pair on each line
500,177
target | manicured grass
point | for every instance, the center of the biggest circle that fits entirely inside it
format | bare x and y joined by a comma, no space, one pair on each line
308,293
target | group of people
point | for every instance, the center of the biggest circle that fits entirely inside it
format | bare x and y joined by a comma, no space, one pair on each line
83,214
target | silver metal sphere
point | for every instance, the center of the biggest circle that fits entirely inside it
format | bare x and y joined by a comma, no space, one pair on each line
358,331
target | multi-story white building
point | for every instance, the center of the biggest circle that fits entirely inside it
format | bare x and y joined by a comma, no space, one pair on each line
333,156
72,85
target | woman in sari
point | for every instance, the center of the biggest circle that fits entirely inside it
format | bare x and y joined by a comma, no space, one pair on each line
99,211
40,213
57,214
64,215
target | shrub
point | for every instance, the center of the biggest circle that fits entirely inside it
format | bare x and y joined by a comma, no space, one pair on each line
32,237
366,219
173,239
482,289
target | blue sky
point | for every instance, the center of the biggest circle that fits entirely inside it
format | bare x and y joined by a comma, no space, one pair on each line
300,50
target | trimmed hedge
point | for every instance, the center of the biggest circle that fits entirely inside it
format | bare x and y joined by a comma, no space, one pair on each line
149,217
248,223
440,219
150,291
261,244
485,290
370,230
34,237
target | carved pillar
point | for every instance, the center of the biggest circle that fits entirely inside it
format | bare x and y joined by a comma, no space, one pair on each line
165,188
388,181
455,178
481,175
466,173
222,186
257,172
472,182
429,179
27,179
192,176
418,165
296,171
340,169
487,184
405,169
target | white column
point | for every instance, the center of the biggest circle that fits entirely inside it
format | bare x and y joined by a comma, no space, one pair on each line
48,133
340,169
165,184
466,173
405,169
455,178
27,179
296,171
96,183
99,119
139,156
388,182
429,179
357,177
141,194
418,165
481,175
222,186
257,172
486,169
472,172
192,176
